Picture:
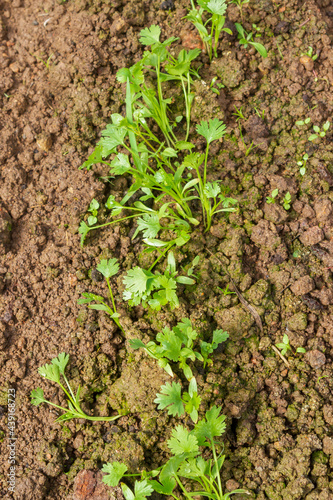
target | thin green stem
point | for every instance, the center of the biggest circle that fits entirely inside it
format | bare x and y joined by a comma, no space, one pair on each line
167,248
217,470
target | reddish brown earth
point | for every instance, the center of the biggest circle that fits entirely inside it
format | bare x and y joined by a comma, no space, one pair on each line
58,88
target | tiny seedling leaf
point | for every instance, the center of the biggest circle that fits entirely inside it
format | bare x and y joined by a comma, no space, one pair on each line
150,36
37,396
211,131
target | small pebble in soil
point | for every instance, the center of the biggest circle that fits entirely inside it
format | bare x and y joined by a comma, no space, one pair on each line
316,359
167,5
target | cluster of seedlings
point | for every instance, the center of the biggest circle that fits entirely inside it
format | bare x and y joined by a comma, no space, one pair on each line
171,190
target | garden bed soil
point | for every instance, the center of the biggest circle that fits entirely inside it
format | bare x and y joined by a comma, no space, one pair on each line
57,90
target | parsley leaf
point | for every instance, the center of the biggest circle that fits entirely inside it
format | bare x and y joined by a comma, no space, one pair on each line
170,398
151,35
212,131
115,472
37,396
170,343
108,267
149,224
182,441
212,425
137,280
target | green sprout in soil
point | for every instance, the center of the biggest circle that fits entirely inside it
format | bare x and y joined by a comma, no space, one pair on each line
107,268
240,4
154,289
302,164
53,372
285,346
286,201
246,39
93,209
226,290
271,199
210,29
238,113
301,123
310,54
159,168
318,132
218,84
187,463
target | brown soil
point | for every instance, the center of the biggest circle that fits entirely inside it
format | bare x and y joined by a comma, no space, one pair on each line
58,88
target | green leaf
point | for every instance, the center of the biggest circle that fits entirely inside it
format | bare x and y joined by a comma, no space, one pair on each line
95,157
260,48
149,225
170,398
137,280
184,280
166,487
192,405
83,230
94,205
150,36
37,396
312,137
61,361
170,343
50,372
136,344
211,426
218,7
219,336
211,190
115,472
108,267
120,164
182,441
112,137
92,220
326,126
211,131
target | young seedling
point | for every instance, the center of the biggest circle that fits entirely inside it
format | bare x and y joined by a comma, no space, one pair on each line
107,268
93,209
318,132
285,346
176,346
154,164
240,4
238,113
301,123
54,372
186,466
218,84
286,201
246,39
210,29
271,199
310,54
226,290
302,164
154,290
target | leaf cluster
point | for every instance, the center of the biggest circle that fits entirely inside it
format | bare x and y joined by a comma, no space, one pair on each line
154,289
186,464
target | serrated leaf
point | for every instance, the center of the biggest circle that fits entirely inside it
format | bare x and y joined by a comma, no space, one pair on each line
164,488
151,35
37,396
211,426
61,361
149,225
120,164
170,398
115,472
137,280
95,157
83,230
112,136
218,7
170,343
50,372
108,267
211,131
182,441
